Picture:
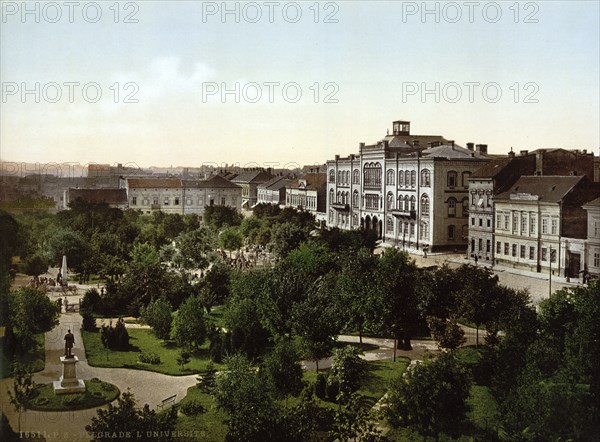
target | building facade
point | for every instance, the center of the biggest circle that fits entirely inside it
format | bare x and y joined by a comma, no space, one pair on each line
593,237
249,180
411,190
273,191
308,193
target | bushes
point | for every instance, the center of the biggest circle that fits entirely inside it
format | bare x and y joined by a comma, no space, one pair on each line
89,321
149,358
192,408
115,338
321,386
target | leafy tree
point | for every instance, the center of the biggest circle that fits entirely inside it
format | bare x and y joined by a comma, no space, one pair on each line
218,217
347,369
216,285
250,227
193,248
264,210
115,338
448,334
423,397
183,359
125,416
69,243
144,254
189,324
353,421
36,265
230,239
158,315
249,401
23,386
282,366
30,312
287,237
242,319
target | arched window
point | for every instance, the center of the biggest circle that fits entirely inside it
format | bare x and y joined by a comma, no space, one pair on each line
465,207
406,203
372,175
390,177
424,204
413,178
356,176
452,207
339,177
355,199
425,178
413,203
390,201
400,177
338,198
331,201
407,178
399,203
389,225
452,179
332,176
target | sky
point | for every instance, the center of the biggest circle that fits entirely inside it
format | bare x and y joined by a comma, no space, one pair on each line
186,83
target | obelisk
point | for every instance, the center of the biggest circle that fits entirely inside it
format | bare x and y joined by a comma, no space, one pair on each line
63,270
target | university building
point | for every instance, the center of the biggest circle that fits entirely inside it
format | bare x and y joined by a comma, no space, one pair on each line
412,190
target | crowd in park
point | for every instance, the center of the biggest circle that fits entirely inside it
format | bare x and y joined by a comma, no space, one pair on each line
539,367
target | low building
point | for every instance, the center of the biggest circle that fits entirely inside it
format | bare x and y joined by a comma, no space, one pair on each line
155,194
115,197
593,238
308,193
249,180
215,191
273,191
541,225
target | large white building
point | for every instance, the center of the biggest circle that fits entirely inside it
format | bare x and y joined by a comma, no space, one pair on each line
412,190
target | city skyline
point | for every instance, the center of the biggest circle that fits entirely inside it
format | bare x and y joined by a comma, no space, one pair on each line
521,75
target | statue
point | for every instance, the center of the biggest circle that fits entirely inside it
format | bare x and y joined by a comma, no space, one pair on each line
69,341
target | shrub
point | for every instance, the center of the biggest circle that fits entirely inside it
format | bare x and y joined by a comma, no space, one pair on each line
107,387
89,321
149,358
91,300
115,338
321,386
71,401
192,408
41,401
206,380
333,389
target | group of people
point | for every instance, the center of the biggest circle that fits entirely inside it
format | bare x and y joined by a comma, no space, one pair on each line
245,261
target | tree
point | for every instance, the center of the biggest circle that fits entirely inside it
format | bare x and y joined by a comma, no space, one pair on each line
250,227
422,397
347,370
158,315
287,237
230,239
243,320
36,265
69,243
183,359
193,249
353,421
189,325
282,366
249,401
116,421
30,312
448,334
23,386
218,217
216,285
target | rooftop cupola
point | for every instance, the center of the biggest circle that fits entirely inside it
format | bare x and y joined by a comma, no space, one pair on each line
401,127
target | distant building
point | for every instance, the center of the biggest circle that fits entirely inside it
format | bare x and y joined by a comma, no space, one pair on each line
273,191
592,260
249,180
412,190
114,197
308,193
215,191
540,223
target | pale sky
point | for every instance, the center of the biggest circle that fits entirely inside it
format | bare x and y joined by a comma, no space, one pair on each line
371,59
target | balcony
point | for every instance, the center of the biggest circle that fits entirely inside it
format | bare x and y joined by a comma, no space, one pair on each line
401,213
340,207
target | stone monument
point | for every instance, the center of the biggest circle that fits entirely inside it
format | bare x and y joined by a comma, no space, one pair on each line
63,270
68,382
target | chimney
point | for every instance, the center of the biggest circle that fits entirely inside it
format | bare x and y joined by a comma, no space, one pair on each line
361,146
584,151
337,157
511,154
573,173
481,148
385,144
471,146
451,142
523,152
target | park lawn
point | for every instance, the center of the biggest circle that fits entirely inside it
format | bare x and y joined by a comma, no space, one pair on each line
36,358
217,316
97,393
210,425
379,375
143,340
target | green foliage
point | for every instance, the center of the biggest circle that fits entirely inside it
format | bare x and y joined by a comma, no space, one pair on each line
183,359
287,237
117,337
158,315
320,386
145,255
216,285
207,378
230,239
192,408
30,312
71,243
347,369
36,265
242,319
23,386
189,325
88,322
263,211
125,416
193,249
218,217
355,422
448,334
149,358
422,397
282,366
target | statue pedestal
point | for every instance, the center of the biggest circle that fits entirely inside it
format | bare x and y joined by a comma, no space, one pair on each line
68,382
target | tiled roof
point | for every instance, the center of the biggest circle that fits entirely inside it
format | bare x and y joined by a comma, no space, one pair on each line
550,189
448,151
492,169
146,183
315,181
110,196
214,182
595,202
275,183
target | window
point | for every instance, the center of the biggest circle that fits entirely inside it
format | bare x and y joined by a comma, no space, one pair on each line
407,178
413,203
515,222
523,223
425,178
531,224
155,200
406,203
506,248
544,225
451,179
451,232
531,252
424,205
134,201
552,255
506,221
189,201
488,246
339,177
544,254
176,201
498,247
389,180
472,220
489,223
389,225
480,222
390,201
332,176
465,207
400,178
514,250
412,229
372,202
331,200
355,199
554,226
522,252
413,178
596,259
166,201
222,200
596,228
465,179
498,220
480,243
372,175
356,176
451,207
